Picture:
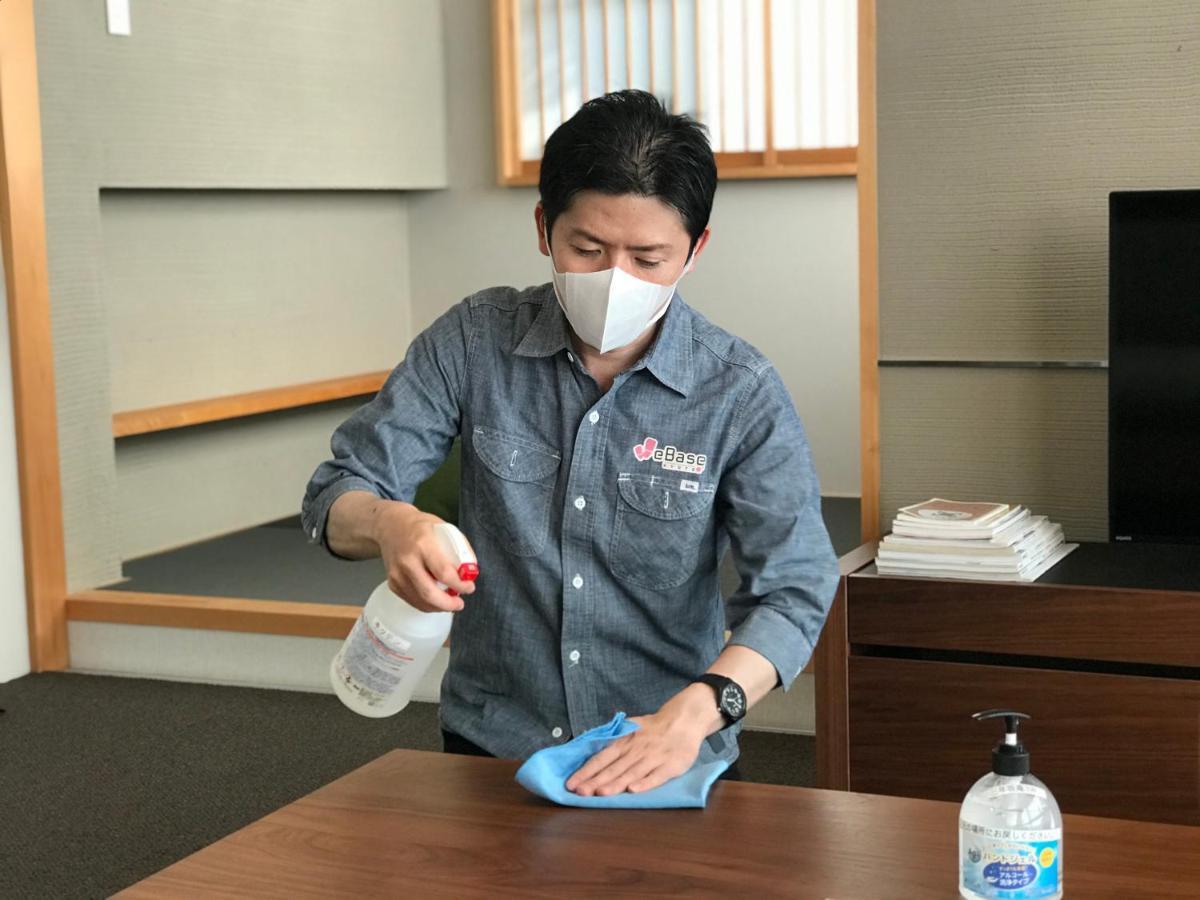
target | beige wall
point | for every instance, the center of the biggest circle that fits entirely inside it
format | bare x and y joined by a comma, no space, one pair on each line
160,296
781,271
1002,129
219,292
219,478
215,292
270,94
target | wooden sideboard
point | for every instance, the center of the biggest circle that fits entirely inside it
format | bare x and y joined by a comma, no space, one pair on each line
1103,652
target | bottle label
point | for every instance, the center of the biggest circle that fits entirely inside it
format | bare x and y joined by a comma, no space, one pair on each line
1012,864
372,662
1019,787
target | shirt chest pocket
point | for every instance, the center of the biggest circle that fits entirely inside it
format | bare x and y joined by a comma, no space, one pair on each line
660,528
514,488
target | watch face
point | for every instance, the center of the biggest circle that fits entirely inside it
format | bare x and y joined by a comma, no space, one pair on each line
733,702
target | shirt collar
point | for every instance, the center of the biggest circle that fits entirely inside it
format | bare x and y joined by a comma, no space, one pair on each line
549,333
669,358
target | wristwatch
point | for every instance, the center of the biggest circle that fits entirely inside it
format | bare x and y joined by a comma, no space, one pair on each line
731,699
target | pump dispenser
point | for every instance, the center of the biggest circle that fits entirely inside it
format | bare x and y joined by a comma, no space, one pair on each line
392,644
1010,827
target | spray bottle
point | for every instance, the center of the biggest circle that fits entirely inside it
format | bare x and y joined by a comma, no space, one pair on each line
392,644
1010,828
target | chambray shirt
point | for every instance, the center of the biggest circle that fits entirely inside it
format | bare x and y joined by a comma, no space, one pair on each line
598,518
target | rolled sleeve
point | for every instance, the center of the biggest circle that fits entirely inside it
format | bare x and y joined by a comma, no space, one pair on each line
315,512
771,509
392,444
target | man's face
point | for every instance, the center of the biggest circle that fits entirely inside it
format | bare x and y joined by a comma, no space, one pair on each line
640,235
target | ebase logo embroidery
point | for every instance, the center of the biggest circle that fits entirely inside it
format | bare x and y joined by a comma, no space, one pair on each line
670,457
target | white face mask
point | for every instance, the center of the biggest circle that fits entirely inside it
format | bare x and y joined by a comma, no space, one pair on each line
609,309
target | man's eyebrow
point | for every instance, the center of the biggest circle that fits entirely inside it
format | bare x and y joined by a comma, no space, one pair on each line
645,248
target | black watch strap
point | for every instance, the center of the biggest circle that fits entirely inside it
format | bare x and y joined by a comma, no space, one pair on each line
731,699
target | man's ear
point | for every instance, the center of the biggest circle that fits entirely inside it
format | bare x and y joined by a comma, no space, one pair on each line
539,218
701,243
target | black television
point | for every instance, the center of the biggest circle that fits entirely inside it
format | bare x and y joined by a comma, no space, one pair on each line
1154,366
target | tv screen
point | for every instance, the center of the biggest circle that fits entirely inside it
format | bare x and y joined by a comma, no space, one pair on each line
1154,366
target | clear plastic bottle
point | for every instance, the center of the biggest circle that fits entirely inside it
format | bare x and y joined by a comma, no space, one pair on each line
392,644
1010,828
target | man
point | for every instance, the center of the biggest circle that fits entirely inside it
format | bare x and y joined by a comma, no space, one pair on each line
614,445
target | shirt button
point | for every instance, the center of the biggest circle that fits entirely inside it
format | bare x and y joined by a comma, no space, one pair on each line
574,657
557,732
580,503
577,582
571,359
594,418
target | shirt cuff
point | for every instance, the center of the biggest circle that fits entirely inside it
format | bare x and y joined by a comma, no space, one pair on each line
316,512
777,639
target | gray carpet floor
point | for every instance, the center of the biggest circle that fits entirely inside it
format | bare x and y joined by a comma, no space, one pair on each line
104,781
274,562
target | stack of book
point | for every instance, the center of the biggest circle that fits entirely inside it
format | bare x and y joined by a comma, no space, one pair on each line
984,541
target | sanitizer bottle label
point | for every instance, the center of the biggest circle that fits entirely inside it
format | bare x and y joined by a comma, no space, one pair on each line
372,661
1011,864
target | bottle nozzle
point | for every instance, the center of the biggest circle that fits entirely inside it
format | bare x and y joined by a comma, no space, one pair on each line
1010,756
460,552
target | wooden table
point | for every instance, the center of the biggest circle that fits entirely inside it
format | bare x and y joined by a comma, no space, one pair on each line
414,824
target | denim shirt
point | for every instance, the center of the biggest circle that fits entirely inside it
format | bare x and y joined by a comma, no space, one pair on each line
599,518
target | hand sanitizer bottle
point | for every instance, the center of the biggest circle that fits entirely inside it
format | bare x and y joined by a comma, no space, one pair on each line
392,644
1010,828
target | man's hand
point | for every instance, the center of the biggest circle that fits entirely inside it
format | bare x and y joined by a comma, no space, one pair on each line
415,559
665,745
362,525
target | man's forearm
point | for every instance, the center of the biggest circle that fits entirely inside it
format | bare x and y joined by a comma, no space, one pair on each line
750,669
352,527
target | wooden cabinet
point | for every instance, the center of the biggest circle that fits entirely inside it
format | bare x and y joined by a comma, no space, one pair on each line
1109,671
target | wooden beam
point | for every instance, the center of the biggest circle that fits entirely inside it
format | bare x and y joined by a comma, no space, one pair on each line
562,66
771,158
234,406
799,170
541,73
23,235
629,43
821,163
676,108
318,620
868,273
506,96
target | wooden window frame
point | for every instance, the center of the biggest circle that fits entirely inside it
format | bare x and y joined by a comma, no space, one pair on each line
22,233
513,171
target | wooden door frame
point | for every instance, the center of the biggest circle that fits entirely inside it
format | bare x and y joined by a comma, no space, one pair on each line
23,236
868,273
22,228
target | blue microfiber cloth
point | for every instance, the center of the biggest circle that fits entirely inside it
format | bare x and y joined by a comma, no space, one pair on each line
546,773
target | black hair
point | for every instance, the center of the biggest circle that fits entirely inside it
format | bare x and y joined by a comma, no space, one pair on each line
627,142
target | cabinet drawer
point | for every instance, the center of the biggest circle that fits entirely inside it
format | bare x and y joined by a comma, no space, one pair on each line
1068,622
1106,745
